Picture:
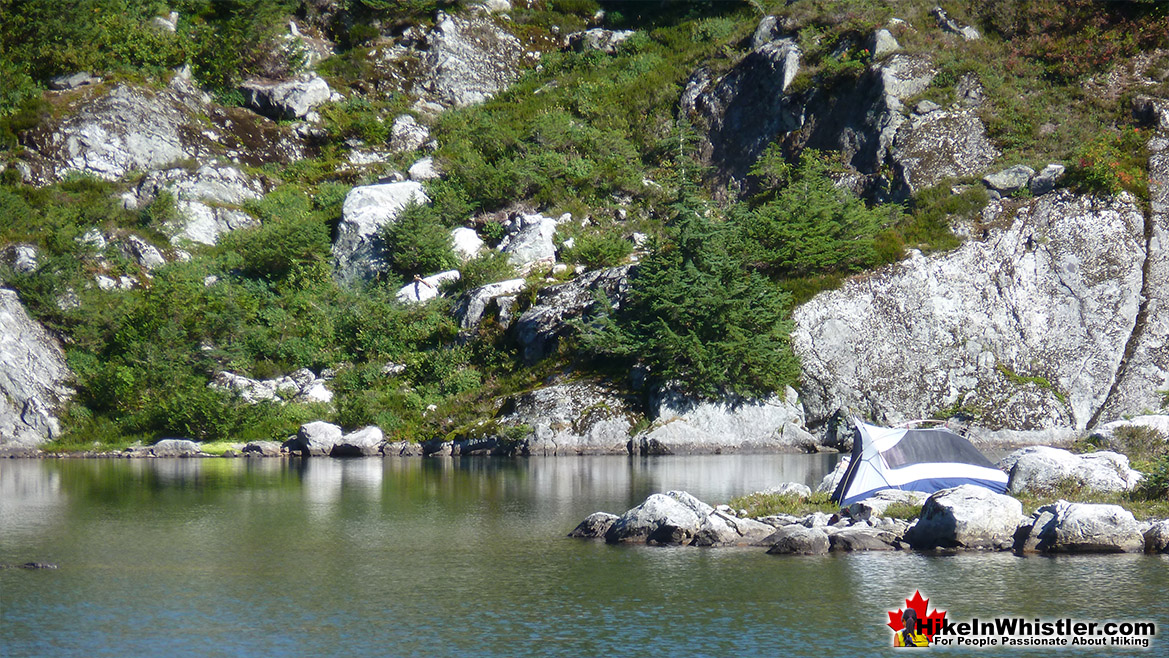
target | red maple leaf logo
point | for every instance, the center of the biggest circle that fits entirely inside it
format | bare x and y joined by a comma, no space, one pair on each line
929,623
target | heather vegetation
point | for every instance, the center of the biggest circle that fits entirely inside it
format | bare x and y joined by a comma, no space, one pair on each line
587,133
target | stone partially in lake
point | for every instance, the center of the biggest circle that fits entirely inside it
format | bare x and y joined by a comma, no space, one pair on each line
721,529
175,448
669,518
315,439
1041,469
797,540
968,517
856,539
364,442
594,526
262,449
1157,538
1065,527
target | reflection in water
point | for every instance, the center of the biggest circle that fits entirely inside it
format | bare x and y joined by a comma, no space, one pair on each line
464,557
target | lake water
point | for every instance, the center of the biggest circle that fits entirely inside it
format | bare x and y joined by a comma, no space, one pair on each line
468,557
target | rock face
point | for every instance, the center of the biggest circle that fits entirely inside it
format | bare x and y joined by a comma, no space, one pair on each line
548,319
1040,469
1066,527
755,104
357,250
669,518
469,59
290,99
1024,330
968,517
207,200
124,130
302,386
33,376
576,418
686,425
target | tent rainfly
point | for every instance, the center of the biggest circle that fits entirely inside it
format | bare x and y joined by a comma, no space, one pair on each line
919,459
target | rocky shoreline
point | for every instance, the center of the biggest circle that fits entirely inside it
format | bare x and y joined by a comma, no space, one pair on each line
965,518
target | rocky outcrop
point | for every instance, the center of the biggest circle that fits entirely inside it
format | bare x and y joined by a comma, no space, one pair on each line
669,518
1023,330
720,528
20,257
1065,527
302,386
208,200
357,250
475,304
1040,469
967,517
288,99
606,41
33,376
688,425
530,241
262,449
539,328
465,242
468,60
573,418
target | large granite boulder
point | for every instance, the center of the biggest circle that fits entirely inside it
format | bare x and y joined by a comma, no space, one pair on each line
365,442
315,439
1064,527
530,241
175,448
207,200
33,376
549,318
1041,469
357,250
862,538
1022,330
690,425
468,60
288,99
425,288
574,418
968,517
669,518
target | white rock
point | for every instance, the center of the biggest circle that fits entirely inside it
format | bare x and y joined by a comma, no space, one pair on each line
1044,469
426,289
530,241
424,170
292,99
366,210
472,305
406,134
968,516
33,376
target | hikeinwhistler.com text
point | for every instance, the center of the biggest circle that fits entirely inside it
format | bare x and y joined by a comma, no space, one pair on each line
1001,632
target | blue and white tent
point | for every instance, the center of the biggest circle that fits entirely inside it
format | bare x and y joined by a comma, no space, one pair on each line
919,459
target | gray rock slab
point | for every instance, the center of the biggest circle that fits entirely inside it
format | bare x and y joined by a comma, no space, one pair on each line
289,99
33,376
1040,469
364,442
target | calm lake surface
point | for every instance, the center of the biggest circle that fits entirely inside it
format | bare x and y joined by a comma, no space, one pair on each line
468,557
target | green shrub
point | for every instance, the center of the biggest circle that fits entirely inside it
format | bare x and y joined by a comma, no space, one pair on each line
1111,163
291,236
417,242
598,249
488,267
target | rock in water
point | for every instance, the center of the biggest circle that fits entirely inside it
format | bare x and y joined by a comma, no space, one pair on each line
594,526
1065,527
365,442
968,517
33,376
669,518
315,439
797,540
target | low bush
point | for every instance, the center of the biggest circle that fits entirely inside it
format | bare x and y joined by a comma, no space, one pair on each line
417,242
